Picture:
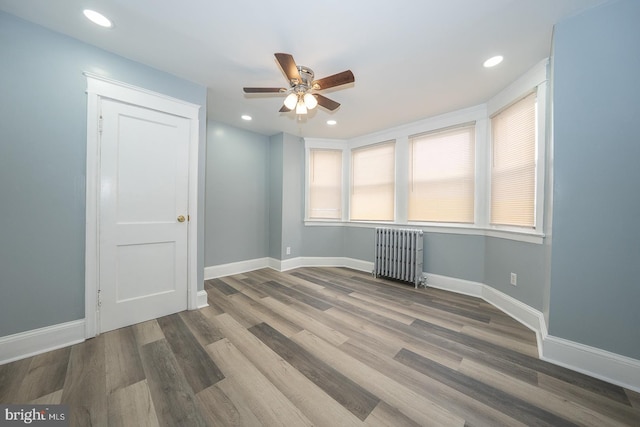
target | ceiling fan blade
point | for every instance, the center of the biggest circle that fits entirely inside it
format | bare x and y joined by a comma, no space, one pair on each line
325,102
288,66
263,89
335,80
284,109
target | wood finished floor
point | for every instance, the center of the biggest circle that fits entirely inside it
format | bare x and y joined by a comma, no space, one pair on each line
318,346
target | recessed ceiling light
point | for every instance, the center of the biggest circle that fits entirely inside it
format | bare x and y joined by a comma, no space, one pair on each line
97,18
331,122
492,62
246,117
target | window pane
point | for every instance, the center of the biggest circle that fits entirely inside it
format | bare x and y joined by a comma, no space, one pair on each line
513,168
373,182
442,176
325,184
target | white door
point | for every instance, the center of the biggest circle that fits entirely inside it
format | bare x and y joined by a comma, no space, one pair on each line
143,219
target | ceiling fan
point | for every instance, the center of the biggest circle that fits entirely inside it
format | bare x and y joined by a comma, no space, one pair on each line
302,86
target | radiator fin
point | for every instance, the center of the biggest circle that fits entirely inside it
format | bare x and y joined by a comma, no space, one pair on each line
398,254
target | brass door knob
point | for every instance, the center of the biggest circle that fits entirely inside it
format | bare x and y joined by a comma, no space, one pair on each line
181,218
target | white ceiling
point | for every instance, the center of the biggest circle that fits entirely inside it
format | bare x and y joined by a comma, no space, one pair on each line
412,59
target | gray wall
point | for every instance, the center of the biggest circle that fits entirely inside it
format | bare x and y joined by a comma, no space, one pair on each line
502,257
324,241
454,255
359,243
292,195
237,190
595,260
43,110
276,147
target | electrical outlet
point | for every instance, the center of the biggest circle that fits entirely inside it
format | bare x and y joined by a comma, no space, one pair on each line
514,279
288,250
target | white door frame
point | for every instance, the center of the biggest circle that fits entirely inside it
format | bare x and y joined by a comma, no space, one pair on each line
97,88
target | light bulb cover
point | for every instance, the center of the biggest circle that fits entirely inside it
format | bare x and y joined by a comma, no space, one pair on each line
301,108
97,18
310,101
493,61
290,101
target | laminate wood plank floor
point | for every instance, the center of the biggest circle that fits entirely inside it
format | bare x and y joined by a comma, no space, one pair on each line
323,347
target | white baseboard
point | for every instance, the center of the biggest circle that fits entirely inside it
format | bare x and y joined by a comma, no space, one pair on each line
222,270
597,363
611,367
30,343
358,264
202,299
285,264
355,264
459,286
528,316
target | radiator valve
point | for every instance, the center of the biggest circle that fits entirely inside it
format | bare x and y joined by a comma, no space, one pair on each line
423,281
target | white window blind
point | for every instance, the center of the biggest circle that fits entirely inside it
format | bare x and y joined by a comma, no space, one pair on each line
373,182
325,184
442,175
513,166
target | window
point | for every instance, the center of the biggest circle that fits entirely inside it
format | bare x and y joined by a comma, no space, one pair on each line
513,165
325,184
475,171
442,175
373,182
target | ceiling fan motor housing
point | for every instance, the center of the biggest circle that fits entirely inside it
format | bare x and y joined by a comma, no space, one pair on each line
306,74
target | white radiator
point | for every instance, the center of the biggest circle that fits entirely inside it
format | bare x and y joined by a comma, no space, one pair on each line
399,254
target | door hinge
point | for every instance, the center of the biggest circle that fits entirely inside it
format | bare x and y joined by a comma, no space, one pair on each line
99,299
188,218
100,125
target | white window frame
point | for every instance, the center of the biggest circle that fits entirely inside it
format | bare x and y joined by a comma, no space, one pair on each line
459,126
533,81
349,189
326,144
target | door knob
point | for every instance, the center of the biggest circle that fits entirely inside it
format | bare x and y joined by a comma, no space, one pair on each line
181,218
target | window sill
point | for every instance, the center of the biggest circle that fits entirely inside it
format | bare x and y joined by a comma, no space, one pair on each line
527,236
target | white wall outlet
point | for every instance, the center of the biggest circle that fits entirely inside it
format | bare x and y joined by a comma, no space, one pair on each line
514,279
288,250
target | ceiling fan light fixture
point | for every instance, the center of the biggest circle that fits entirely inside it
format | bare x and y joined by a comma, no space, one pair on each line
301,108
310,101
291,100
